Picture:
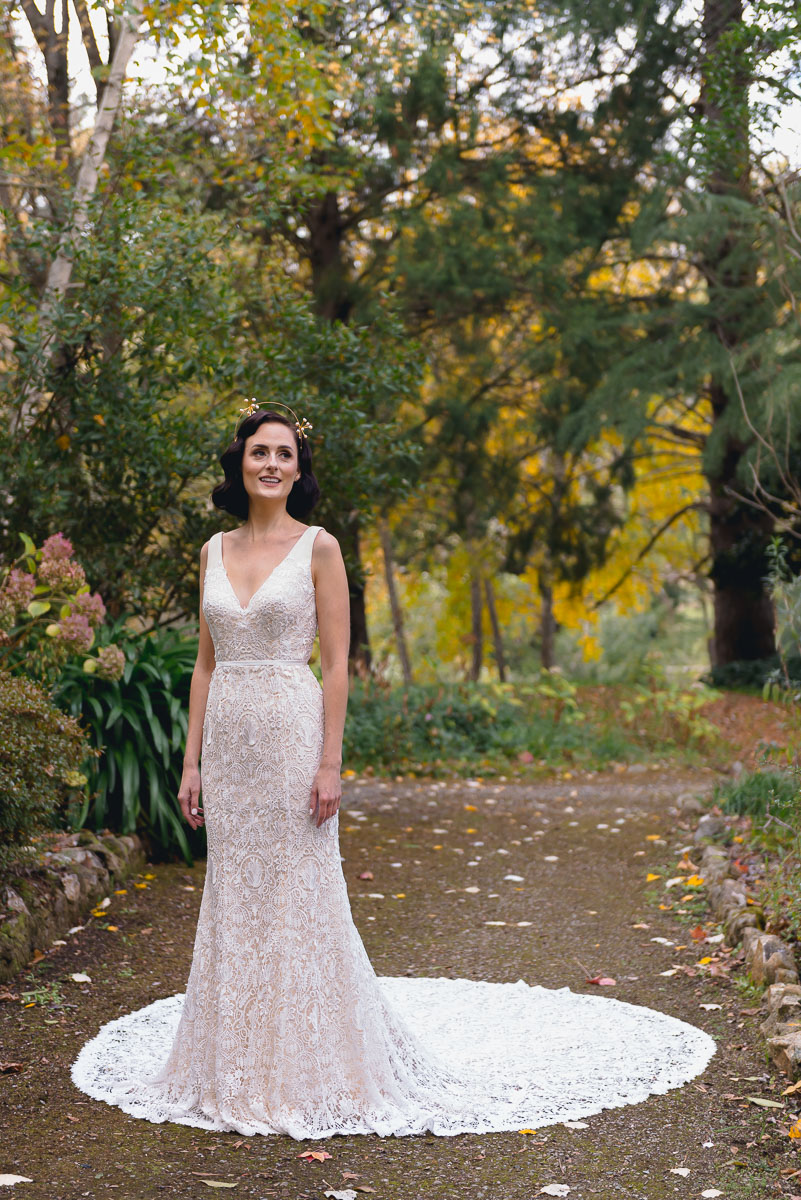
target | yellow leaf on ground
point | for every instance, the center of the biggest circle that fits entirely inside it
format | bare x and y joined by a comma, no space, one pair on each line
650,877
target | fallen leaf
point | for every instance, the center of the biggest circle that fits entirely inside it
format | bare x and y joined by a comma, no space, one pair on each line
367,875
602,981
651,876
793,1088
663,941
9,1180
6,995
694,881
37,957
362,1187
11,1068
698,934
79,977
554,1189
711,1007
216,1183
527,1131
683,1171
711,1193
653,837
764,1103
349,1175
315,1155
671,971
795,1130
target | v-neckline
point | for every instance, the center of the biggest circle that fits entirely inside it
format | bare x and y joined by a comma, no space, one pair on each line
264,582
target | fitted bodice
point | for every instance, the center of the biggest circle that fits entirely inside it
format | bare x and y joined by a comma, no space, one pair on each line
280,619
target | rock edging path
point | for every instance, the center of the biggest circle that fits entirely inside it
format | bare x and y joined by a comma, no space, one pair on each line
770,961
40,904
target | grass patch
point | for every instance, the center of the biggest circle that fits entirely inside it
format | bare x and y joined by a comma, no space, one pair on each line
758,793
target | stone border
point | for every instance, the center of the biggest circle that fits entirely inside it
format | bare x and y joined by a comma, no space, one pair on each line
770,961
48,899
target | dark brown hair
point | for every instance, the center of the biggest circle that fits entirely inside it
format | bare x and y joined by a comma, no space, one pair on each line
231,496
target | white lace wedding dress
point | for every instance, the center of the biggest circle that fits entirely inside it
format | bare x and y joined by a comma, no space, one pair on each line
285,1027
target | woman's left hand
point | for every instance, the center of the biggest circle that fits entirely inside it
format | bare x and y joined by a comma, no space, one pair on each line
326,794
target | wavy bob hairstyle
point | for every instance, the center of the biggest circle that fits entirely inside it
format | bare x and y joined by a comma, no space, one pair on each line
231,496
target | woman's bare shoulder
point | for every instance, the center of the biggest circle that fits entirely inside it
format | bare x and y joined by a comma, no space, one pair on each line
326,547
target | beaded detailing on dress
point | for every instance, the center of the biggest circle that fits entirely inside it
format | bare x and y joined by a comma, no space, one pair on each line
284,1027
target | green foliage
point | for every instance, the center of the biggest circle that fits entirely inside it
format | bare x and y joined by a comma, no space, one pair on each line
744,675
757,793
464,727
670,717
42,751
139,723
785,591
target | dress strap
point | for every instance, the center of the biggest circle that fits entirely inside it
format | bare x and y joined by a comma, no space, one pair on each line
305,543
215,550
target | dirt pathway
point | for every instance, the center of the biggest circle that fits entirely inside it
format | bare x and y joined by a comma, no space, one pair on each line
584,847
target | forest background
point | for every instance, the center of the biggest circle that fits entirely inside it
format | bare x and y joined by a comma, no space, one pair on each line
531,273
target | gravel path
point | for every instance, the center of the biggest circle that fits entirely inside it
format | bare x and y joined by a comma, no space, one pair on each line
583,848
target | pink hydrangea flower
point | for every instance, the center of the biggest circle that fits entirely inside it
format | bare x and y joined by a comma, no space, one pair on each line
91,605
7,611
61,574
76,631
19,588
57,547
110,662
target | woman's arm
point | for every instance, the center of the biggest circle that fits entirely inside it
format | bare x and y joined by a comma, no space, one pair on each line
333,622
189,792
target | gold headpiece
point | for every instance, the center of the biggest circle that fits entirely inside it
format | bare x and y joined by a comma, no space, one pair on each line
252,405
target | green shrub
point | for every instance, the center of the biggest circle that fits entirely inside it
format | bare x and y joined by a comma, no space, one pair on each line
429,727
41,754
754,792
139,722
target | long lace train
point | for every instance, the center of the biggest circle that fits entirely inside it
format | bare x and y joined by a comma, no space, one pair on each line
498,1057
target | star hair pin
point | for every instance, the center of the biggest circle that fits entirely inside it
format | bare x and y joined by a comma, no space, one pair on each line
301,424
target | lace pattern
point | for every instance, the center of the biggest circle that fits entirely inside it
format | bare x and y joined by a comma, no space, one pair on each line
284,1027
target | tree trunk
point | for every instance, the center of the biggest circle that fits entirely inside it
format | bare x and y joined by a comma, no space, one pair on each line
347,534
547,626
332,301
497,635
738,533
58,276
331,294
394,603
476,630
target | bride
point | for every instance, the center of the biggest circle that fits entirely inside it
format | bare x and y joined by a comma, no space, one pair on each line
284,1026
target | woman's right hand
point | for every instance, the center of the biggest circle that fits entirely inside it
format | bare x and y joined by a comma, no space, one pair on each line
189,797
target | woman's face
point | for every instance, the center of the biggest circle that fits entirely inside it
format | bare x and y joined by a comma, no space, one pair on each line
270,463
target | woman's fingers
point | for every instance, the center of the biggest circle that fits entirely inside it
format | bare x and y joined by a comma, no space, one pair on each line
189,801
327,806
